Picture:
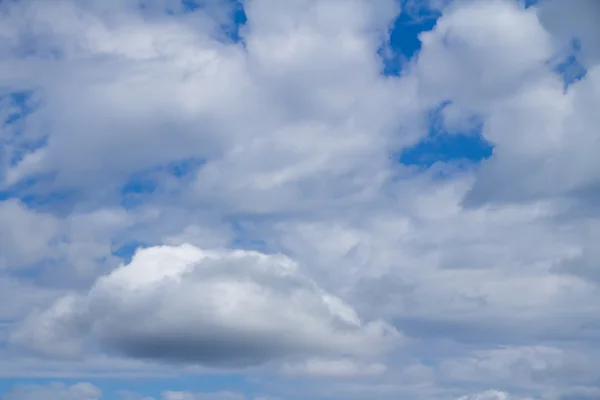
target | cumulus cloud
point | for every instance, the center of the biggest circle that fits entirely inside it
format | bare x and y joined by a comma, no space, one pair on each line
183,304
281,94
534,124
479,52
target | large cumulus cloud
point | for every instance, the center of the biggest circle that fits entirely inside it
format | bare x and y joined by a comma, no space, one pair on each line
183,304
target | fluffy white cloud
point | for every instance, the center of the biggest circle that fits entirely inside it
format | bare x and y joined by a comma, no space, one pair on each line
183,304
480,52
533,122
186,94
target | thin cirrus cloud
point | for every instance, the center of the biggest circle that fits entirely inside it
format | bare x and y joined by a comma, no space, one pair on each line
300,199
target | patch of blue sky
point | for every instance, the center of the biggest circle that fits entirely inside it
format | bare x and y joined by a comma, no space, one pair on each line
126,250
37,194
190,5
403,43
21,147
15,107
147,181
239,19
20,104
530,3
569,67
237,16
244,230
53,201
184,167
447,148
442,146
14,144
140,186
230,28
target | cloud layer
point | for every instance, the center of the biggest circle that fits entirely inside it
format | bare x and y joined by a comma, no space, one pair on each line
188,186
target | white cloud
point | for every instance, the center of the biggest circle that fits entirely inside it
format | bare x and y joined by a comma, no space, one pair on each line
480,52
503,74
185,94
183,304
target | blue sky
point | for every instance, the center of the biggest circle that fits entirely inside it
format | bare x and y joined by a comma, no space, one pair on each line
321,199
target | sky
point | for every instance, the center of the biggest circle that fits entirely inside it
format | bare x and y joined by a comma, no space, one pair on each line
299,199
